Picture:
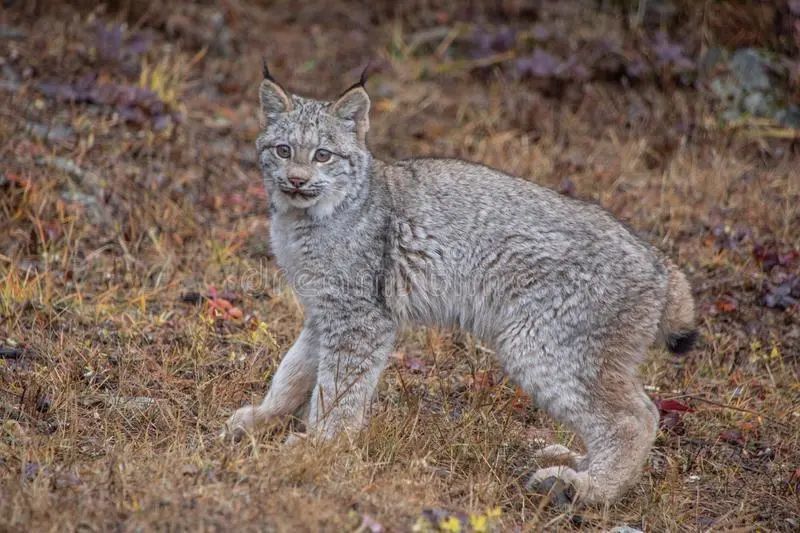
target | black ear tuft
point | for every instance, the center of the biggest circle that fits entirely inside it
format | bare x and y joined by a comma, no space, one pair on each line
265,70
362,81
274,98
364,75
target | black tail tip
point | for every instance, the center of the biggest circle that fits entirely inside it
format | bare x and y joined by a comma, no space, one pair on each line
682,342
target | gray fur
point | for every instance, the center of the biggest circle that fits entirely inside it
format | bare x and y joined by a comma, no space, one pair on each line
569,298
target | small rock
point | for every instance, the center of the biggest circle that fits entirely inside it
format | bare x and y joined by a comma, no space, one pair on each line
757,104
750,68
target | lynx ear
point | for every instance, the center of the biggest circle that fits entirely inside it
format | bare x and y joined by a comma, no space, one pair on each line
354,105
273,98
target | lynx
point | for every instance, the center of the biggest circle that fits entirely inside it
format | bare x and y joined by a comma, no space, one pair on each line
567,297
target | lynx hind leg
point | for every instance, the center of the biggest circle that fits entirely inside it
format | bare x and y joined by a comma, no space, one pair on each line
605,407
617,425
617,431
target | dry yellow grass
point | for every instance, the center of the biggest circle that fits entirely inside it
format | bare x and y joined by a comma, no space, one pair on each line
111,408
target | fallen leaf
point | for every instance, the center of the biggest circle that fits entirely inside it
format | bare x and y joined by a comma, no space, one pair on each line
769,256
667,406
749,427
732,436
727,237
783,294
521,400
726,304
16,179
221,307
672,412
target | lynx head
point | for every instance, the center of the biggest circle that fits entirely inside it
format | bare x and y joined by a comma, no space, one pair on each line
313,154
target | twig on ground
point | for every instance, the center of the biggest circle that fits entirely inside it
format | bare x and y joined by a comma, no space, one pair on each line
733,407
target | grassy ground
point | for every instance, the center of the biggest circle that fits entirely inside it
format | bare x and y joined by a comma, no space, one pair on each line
139,305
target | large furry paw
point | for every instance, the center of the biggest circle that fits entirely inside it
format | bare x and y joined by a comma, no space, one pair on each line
242,422
562,483
556,453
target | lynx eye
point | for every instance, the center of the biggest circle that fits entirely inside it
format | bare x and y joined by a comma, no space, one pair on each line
283,151
322,155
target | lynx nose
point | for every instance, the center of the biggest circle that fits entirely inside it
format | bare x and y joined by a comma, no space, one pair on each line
297,181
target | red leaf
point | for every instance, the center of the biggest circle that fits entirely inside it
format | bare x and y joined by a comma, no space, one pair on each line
17,180
672,406
520,400
726,304
732,436
769,256
672,412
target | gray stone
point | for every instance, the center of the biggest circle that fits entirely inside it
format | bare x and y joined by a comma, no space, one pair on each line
751,69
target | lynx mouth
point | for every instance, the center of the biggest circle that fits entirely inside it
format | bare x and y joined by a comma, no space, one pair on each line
297,193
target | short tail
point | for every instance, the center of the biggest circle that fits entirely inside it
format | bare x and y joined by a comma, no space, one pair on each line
678,329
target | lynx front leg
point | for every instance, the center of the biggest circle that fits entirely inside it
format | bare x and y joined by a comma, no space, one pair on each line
291,387
352,358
